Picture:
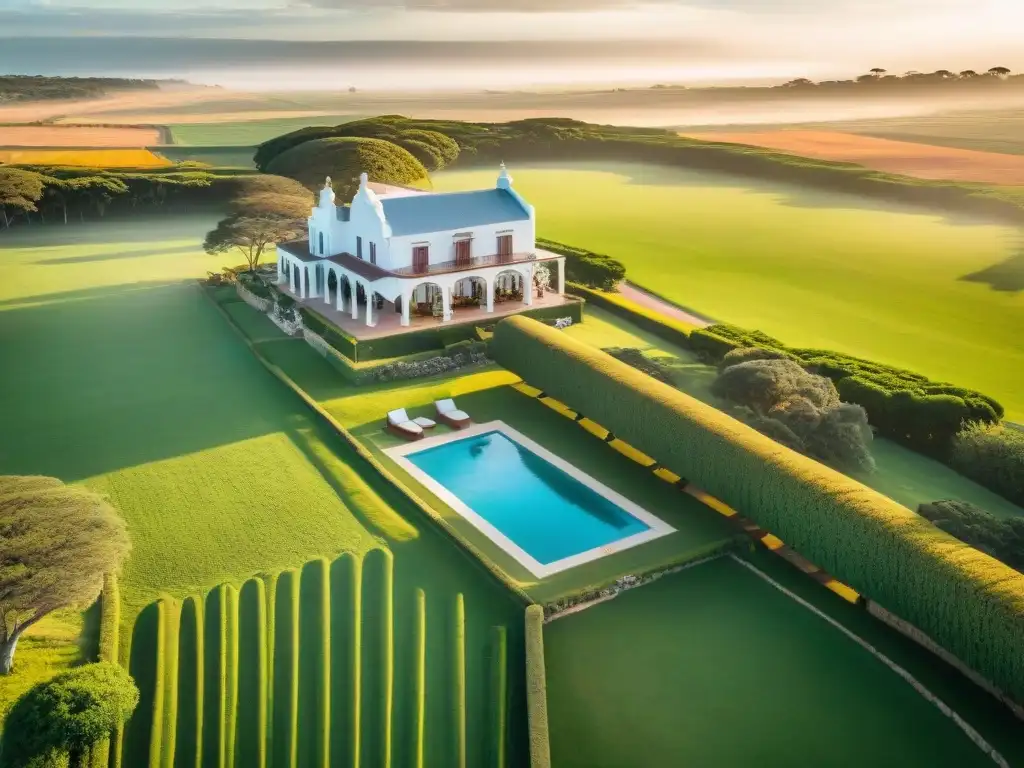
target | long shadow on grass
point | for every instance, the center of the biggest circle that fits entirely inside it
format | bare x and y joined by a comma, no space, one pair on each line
118,255
1007,275
792,194
125,377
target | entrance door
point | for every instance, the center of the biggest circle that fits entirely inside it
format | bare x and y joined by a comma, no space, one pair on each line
504,247
420,258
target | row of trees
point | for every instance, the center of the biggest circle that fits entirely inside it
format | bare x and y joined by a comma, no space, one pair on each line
39,87
880,76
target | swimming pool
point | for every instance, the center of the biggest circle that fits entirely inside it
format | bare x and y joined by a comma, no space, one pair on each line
540,509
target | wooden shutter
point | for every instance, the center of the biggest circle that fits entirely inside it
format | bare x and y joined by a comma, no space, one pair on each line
462,252
420,258
504,247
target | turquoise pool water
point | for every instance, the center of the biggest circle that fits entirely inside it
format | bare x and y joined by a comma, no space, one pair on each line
544,511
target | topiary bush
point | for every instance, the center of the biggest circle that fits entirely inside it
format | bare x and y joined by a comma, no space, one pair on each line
58,722
344,159
593,270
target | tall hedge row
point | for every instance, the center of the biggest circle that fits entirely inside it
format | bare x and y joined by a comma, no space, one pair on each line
661,325
536,686
965,600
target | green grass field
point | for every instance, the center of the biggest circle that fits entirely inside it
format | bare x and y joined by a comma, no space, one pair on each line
714,666
935,294
129,381
247,133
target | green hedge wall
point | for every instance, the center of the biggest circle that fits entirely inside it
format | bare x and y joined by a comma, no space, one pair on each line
333,335
660,325
442,336
586,267
536,687
965,600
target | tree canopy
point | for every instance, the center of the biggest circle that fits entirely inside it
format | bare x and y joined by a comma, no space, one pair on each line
19,192
58,542
263,211
344,159
61,719
796,408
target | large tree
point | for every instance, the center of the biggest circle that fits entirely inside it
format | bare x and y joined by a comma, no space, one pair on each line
263,211
60,720
56,543
19,192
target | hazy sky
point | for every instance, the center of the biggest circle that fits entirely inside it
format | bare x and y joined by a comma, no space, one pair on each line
835,35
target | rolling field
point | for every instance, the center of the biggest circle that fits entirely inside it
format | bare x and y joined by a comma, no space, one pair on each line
77,136
129,381
714,666
988,131
92,158
922,160
246,133
938,295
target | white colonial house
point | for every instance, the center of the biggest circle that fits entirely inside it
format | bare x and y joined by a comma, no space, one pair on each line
405,251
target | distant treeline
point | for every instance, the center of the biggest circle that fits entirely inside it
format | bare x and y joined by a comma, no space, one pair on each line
39,87
559,139
880,77
57,195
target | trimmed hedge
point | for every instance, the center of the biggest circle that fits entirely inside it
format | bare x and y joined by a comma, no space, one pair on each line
584,267
314,656
965,600
345,664
419,683
662,326
110,637
331,333
459,699
188,749
537,688
402,344
499,695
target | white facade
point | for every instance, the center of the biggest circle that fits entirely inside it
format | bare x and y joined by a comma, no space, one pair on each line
411,247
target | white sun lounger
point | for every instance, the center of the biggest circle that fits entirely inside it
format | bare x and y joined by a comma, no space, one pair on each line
448,413
399,423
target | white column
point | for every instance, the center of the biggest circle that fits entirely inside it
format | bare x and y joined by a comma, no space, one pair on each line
327,286
369,307
311,280
341,294
280,271
354,284
561,275
406,301
528,287
305,282
291,276
489,290
446,303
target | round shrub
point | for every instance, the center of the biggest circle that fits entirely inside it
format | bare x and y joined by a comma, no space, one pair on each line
746,354
343,159
423,152
57,722
445,146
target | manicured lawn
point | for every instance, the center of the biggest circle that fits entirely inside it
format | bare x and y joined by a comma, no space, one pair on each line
904,287
128,380
713,666
486,396
901,474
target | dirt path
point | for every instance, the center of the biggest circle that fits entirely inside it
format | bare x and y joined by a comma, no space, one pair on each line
925,161
642,297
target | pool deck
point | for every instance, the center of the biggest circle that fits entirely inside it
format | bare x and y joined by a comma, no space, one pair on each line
656,527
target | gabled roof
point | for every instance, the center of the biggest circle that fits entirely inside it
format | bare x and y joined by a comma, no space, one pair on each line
420,214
